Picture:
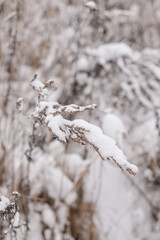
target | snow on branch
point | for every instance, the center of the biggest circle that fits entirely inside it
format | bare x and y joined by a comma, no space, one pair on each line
8,211
54,116
55,108
41,88
91,5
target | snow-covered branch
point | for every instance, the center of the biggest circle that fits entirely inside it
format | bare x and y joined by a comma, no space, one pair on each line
54,116
9,212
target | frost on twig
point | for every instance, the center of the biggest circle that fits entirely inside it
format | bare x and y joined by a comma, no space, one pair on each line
54,116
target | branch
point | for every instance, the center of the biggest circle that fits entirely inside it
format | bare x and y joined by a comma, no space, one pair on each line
80,131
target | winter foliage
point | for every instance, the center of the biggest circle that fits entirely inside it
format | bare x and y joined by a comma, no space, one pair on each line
79,116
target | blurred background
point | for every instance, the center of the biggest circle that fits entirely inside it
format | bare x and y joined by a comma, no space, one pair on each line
105,52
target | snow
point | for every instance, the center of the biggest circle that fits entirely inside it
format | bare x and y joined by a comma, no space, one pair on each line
148,174
106,146
154,68
57,147
55,123
15,193
45,175
34,225
115,75
146,135
48,216
112,214
38,86
91,5
82,64
56,108
109,52
65,130
113,127
75,165
16,220
59,186
4,203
